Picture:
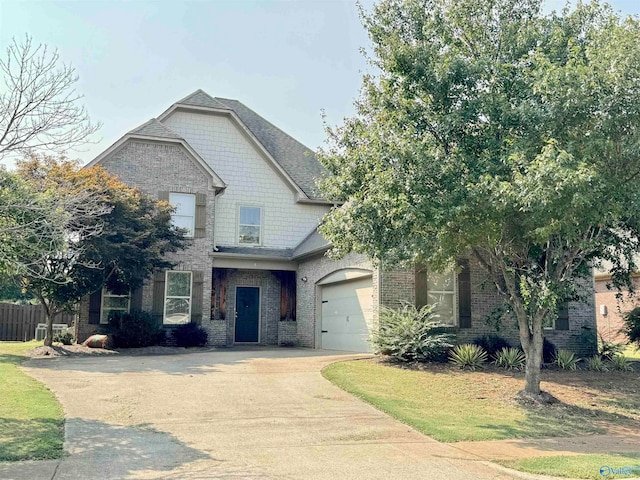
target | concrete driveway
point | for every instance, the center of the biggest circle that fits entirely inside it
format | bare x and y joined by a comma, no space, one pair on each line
241,413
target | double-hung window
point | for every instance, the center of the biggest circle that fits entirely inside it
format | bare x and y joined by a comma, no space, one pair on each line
113,303
177,298
441,291
250,225
185,213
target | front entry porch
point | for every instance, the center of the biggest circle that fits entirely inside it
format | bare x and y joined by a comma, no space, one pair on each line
252,307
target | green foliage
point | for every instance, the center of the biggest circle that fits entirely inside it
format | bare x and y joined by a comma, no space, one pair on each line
135,330
548,351
114,235
493,128
411,335
620,363
607,350
492,344
190,335
510,358
468,356
566,360
66,338
632,326
596,364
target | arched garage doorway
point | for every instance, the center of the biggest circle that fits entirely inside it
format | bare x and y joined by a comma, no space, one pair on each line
346,310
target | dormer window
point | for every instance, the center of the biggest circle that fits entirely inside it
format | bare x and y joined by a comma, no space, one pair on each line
184,216
250,225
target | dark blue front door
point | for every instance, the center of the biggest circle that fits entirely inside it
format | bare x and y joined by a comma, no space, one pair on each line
247,314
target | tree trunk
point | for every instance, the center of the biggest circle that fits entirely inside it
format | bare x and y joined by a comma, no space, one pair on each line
48,339
531,339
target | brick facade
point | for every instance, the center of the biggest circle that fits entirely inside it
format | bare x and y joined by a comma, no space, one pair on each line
610,319
395,287
155,167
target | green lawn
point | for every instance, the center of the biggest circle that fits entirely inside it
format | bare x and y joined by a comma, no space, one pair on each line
580,466
31,419
451,405
632,352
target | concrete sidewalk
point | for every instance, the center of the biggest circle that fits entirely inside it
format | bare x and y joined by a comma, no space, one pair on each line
241,413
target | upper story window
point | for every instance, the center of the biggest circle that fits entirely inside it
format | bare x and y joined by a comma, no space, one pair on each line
250,225
113,303
184,216
441,291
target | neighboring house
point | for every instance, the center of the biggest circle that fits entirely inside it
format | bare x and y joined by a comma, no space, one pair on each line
256,270
612,305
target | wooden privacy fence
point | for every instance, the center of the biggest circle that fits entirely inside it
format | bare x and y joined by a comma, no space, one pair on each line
18,322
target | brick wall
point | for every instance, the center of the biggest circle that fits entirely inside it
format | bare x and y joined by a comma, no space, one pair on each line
154,167
395,287
609,324
251,180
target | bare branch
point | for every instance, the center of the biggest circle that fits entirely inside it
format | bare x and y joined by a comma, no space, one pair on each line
39,106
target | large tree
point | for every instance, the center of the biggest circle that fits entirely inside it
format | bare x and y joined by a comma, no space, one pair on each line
117,242
39,107
495,131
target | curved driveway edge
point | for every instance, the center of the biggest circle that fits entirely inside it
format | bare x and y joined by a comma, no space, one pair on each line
241,413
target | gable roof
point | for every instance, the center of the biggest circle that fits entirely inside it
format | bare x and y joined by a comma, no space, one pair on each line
153,128
298,161
312,244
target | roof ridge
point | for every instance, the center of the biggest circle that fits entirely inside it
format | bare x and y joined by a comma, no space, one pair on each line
199,91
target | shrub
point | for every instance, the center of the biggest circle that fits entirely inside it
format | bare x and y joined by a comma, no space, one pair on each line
65,338
632,326
566,360
410,334
190,335
596,364
511,358
607,350
620,363
135,329
492,344
468,356
549,351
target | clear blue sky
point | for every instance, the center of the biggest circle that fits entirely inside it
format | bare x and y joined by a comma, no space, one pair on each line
288,61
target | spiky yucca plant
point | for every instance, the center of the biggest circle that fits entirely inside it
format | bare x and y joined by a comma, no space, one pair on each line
468,356
510,358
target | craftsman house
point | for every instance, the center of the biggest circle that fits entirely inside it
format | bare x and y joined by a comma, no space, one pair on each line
255,271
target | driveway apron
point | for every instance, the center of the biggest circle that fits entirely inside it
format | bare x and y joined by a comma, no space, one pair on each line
240,413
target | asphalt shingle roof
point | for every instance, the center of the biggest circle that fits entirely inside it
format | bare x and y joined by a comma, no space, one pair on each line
153,128
312,243
296,159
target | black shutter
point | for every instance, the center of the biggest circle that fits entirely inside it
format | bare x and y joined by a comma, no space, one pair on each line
95,304
197,296
201,216
464,294
421,286
158,296
562,322
136,300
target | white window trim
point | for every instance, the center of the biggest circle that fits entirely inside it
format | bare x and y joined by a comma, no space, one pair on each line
260,234
192,217
190,297
106,293
456,319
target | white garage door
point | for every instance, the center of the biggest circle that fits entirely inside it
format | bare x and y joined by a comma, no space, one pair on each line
347,315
